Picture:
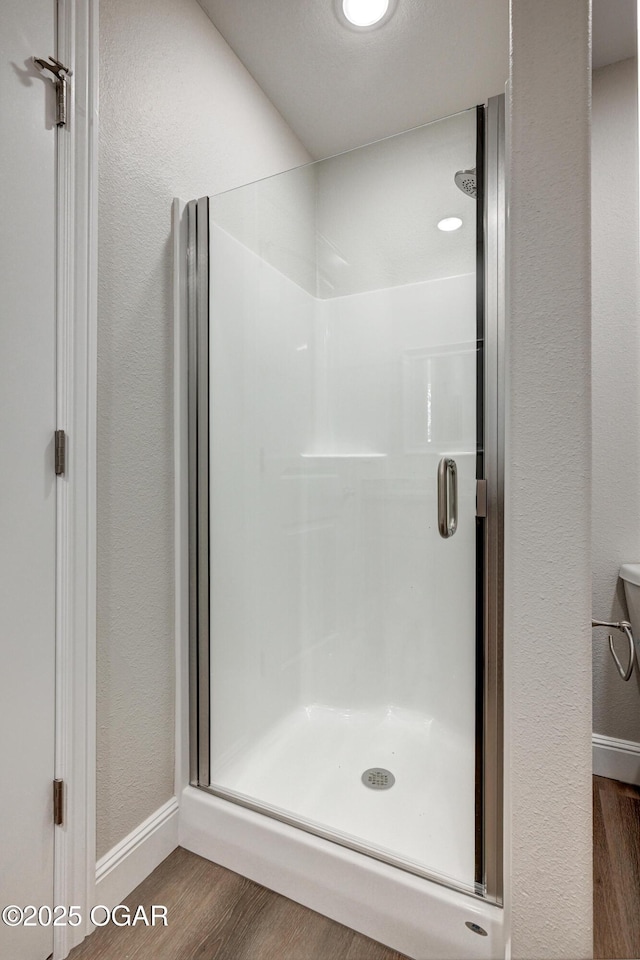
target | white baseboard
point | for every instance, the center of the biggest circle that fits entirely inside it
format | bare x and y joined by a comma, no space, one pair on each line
134,858
616,759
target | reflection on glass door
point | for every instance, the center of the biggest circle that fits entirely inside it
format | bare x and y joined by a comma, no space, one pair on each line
341,346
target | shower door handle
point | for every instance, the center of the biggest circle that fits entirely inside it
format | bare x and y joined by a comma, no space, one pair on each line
447,497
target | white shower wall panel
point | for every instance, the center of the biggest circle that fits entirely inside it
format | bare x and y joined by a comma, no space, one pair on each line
275,219
330,582
378,208
261,413
396,391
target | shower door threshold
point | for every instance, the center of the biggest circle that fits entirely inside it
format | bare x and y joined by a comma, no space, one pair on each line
414,915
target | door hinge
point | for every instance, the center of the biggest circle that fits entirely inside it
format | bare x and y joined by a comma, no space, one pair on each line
481,498
58,802
60,81
60,452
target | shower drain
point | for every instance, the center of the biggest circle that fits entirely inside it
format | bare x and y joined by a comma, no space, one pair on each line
377,778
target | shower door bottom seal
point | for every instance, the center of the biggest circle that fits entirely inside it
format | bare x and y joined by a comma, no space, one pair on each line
341,839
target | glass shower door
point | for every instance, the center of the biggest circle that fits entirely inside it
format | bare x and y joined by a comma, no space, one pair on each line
338,339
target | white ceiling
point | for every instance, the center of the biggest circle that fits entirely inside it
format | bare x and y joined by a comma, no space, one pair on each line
614,31
339,88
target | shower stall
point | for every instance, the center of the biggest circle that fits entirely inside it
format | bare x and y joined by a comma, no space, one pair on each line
345,526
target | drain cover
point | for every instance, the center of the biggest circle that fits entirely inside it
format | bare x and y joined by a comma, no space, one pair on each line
377,778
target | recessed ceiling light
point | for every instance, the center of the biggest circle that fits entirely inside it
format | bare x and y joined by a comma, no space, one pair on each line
449,224
364,13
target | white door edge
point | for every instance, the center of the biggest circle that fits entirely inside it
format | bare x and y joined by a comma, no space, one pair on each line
76,362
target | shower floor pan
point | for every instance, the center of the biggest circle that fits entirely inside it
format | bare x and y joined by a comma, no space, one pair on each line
310,766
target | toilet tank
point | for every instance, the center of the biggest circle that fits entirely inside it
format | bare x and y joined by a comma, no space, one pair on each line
630,575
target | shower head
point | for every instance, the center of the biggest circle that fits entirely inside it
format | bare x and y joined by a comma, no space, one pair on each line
467,181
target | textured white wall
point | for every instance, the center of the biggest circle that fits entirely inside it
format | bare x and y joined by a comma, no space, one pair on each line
548,497
616,379
179,116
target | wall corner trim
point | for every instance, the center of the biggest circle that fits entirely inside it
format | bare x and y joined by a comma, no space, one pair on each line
616,759
134,858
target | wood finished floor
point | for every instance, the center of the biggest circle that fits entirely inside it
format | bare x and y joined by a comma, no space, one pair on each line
214,914
616,870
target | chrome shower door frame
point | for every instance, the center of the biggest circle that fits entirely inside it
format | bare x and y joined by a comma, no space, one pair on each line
199,532
494,228
489,719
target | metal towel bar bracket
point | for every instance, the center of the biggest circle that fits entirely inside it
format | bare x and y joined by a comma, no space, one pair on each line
625,627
